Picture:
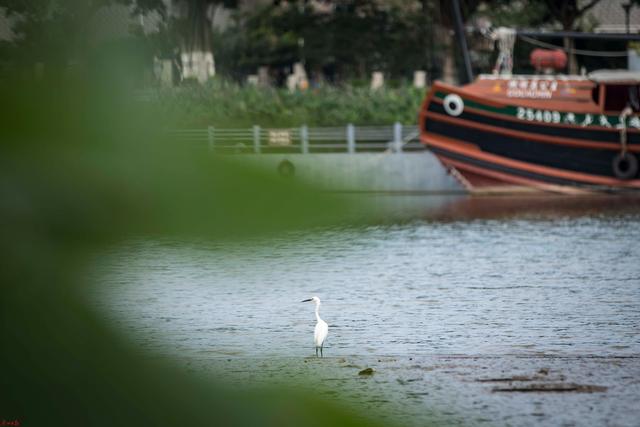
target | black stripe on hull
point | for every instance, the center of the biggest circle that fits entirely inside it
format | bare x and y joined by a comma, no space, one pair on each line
541,129
577,159
511,171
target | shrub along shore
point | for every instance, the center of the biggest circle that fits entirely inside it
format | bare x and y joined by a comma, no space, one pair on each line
228,105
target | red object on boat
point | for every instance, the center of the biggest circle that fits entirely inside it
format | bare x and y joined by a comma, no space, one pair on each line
545,58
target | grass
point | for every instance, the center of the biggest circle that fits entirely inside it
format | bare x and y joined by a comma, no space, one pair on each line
225,105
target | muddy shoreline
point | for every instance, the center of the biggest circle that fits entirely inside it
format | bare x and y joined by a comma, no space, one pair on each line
496,390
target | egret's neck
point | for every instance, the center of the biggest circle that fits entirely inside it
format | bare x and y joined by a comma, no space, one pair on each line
318,311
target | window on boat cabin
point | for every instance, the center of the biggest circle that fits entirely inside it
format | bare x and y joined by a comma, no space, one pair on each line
595,94
618,96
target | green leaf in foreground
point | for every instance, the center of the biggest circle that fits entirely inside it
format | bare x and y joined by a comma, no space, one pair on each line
79,171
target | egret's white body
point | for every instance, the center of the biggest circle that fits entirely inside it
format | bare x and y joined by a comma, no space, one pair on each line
322,329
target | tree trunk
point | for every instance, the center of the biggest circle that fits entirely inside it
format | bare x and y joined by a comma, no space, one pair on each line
197,56
569,45
426,34
449,69
446,40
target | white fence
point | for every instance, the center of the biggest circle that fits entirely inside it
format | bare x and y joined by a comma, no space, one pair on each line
349,139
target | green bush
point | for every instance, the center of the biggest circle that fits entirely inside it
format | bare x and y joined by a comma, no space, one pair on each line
226,105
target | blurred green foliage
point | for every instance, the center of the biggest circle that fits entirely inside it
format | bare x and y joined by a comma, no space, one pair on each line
83,167
339,42
225,104
357,37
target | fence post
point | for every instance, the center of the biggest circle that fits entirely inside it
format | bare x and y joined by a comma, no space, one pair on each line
211,138
397,137
256,139
351,139
304,139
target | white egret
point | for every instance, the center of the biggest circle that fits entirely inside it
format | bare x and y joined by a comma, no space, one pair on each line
322,329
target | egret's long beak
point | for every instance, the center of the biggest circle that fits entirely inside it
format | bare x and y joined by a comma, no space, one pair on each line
306,300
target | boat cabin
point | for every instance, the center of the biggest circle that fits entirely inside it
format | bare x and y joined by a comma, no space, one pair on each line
599,92
615,90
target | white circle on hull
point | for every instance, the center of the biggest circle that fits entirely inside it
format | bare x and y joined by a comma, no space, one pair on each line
453,104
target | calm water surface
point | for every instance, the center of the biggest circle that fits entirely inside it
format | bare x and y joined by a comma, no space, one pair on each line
488,277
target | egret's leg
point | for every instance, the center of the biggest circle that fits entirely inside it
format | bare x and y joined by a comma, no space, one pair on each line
316,351
321,352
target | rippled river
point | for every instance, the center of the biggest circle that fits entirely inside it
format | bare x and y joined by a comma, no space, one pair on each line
523,279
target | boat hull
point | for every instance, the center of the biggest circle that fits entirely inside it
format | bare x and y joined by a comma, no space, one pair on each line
494,146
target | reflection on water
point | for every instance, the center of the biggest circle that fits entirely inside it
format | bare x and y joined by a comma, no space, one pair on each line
446,207
440,275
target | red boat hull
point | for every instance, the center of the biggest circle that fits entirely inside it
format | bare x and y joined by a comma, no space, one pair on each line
499,144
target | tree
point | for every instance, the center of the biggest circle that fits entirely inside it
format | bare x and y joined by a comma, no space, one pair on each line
61,28
189,25
195,28
48,31
568,14
347,41
446,40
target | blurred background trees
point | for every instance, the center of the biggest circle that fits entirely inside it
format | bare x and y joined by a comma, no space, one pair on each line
336,41
347,40
568,14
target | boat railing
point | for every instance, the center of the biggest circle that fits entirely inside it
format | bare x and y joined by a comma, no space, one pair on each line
395,138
